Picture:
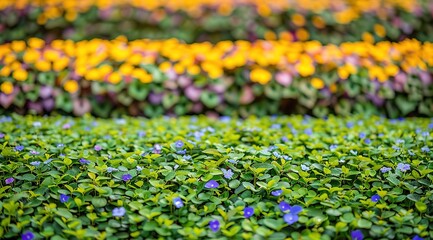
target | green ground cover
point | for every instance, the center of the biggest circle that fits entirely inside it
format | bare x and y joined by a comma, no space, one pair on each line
195,177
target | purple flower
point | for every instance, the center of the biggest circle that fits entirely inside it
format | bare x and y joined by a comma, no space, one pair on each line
157,149
308,131
118,212
248,212
33,152
403,167
227,173
64,198
305,167
9,180
284,206
97,148
425,149
84,161
19,148
357,235
27,236
211,184
178,202
290,218
277,193
141,134
126,177
375,198
214,225
179,144
333,147
362,135
35,163
66,126
181,152
416,237
385,169
2,135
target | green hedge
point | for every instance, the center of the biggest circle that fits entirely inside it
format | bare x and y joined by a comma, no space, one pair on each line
64,178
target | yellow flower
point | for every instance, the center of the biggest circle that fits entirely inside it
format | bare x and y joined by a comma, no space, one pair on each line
317,83
18,46
298,20
260,75
114,78
71,86
379,30
20,75
36,43
305,67
31,56
7,88
43,66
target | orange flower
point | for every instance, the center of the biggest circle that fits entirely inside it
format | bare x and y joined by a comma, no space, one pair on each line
260,75
71,86
7,88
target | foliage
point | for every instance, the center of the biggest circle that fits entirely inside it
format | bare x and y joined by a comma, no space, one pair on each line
136,178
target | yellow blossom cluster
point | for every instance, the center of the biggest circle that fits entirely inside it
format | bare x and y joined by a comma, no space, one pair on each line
119,60
344,10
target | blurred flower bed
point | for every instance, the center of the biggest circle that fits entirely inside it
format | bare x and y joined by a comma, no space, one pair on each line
151,78
216,20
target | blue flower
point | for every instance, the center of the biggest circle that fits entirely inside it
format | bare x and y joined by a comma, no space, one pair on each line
357,235
178,202
187,157
385,169
284,206
126,177
139,168
97,148
308,131
416,237
27,236
333,147
214,225
227,173
375,198
232,161
33,152
290,218
276,154
60,145
179,144
367,141
48,161
287,158
181,152
84,161
211,184
403,167
305,167
277,193
296,209
362,135
64,198
276,126
19,148
35,163
111,169
118,212
248,212
425,134
396,148
399,141
284,139
2,135
141,134
425,149
349,124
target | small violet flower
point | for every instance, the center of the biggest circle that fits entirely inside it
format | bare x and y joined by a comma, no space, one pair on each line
35,163
139,168
118,212
333,147
375,198
425,149
9,180
416,237
97,148
84,161
126,177
385,169
27,236
305,167
214,225
64,198
179,144
19,148
33,152
277,193
367,141
290,218
284,206
362,135
2,135
403,167
227,173
111,169
357,235
248,212
178,202
211,184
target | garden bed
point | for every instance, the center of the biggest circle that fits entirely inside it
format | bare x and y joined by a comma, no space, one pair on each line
196,177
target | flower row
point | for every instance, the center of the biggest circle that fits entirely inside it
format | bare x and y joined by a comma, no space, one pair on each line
169,76
212,20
